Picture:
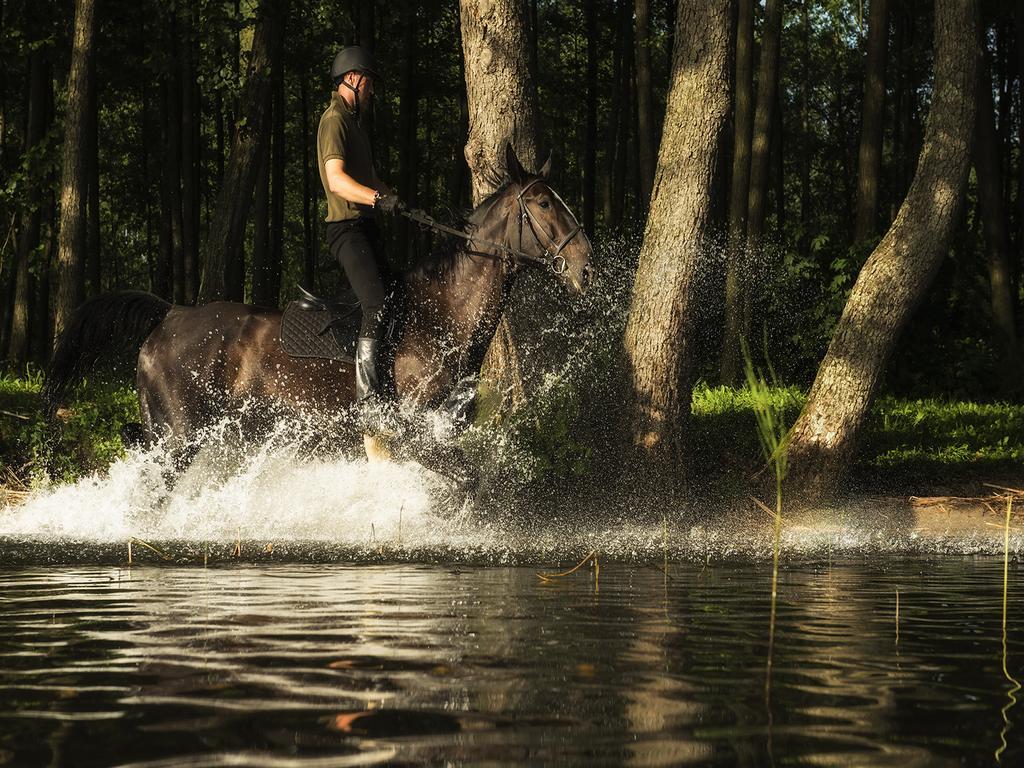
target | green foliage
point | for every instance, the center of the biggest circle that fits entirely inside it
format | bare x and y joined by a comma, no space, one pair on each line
84,438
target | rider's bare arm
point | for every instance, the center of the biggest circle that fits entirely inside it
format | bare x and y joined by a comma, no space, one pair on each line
345,186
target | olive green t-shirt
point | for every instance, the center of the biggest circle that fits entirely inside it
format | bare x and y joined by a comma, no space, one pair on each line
340,136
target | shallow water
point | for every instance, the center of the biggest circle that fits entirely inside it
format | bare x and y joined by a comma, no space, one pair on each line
325,665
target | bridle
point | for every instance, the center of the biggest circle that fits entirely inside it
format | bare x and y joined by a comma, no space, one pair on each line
552,258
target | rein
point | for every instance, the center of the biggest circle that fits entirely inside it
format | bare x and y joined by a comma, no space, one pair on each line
552,259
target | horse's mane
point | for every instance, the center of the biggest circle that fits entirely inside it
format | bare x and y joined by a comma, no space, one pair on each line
447,250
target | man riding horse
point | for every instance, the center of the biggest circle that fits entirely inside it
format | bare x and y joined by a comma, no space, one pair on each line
353,192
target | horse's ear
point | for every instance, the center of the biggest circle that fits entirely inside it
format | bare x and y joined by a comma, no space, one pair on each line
545,170
515,169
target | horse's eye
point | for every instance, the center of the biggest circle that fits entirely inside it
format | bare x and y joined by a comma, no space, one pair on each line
545,204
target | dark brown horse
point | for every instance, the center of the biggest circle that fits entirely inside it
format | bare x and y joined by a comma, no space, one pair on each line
197,364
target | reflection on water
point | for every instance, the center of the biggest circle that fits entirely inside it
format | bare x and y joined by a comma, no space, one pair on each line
352,665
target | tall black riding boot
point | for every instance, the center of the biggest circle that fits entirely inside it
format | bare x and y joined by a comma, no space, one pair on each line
367,380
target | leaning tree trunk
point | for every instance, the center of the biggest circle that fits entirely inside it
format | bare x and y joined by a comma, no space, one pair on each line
987,165
231,211
71,240
502,109
869,158
659,333
743,120
898,272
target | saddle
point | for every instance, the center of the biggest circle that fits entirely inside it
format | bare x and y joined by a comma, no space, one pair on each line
316,327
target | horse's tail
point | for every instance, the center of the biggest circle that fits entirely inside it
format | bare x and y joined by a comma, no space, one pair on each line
116,321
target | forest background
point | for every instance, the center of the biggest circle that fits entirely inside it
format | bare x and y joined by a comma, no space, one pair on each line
168,89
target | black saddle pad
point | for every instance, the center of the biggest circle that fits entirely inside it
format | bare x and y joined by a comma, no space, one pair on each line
315,333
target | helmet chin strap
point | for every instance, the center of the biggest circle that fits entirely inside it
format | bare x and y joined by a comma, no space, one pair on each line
355,91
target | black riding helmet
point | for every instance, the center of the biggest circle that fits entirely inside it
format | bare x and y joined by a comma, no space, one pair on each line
354,58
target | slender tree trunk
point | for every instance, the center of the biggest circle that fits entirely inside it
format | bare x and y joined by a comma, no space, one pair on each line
367,39
409,151
227,227
612,126
729,360
171,171
500,97
190,119
869,157
659,334
760,146
278,187
92,172
987,165
70,259
308,204
590,134
1019,19
897,274
644,103
261,221
806,138
626,109
31,222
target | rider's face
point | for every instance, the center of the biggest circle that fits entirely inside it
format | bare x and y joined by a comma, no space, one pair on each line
362,83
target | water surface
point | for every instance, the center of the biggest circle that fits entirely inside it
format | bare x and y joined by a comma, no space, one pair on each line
334,665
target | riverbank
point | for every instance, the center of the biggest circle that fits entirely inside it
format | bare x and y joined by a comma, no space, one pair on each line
912,448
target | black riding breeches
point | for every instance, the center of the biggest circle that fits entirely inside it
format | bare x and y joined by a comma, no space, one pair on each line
356,246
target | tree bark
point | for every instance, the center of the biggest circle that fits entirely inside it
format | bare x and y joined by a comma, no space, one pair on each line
897,274
659,333
171,171
993,214
729,360
626,108
498,88
277,183
224,240
869,156
71,243
502,109
644,103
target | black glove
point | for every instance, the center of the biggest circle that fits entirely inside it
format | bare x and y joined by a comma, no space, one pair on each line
390,204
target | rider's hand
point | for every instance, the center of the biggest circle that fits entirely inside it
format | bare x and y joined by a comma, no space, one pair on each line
389,203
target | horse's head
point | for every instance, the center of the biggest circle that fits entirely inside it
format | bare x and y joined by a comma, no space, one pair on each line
548,229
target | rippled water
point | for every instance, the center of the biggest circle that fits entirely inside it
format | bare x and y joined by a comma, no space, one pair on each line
326,665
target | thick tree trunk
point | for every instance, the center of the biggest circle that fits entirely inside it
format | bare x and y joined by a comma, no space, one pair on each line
70,256
644,103
898,272
743,121
659,333
224,239
31,221
869,156
993,214
499,90
502,109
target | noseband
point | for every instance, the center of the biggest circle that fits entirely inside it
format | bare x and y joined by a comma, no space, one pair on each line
552,250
